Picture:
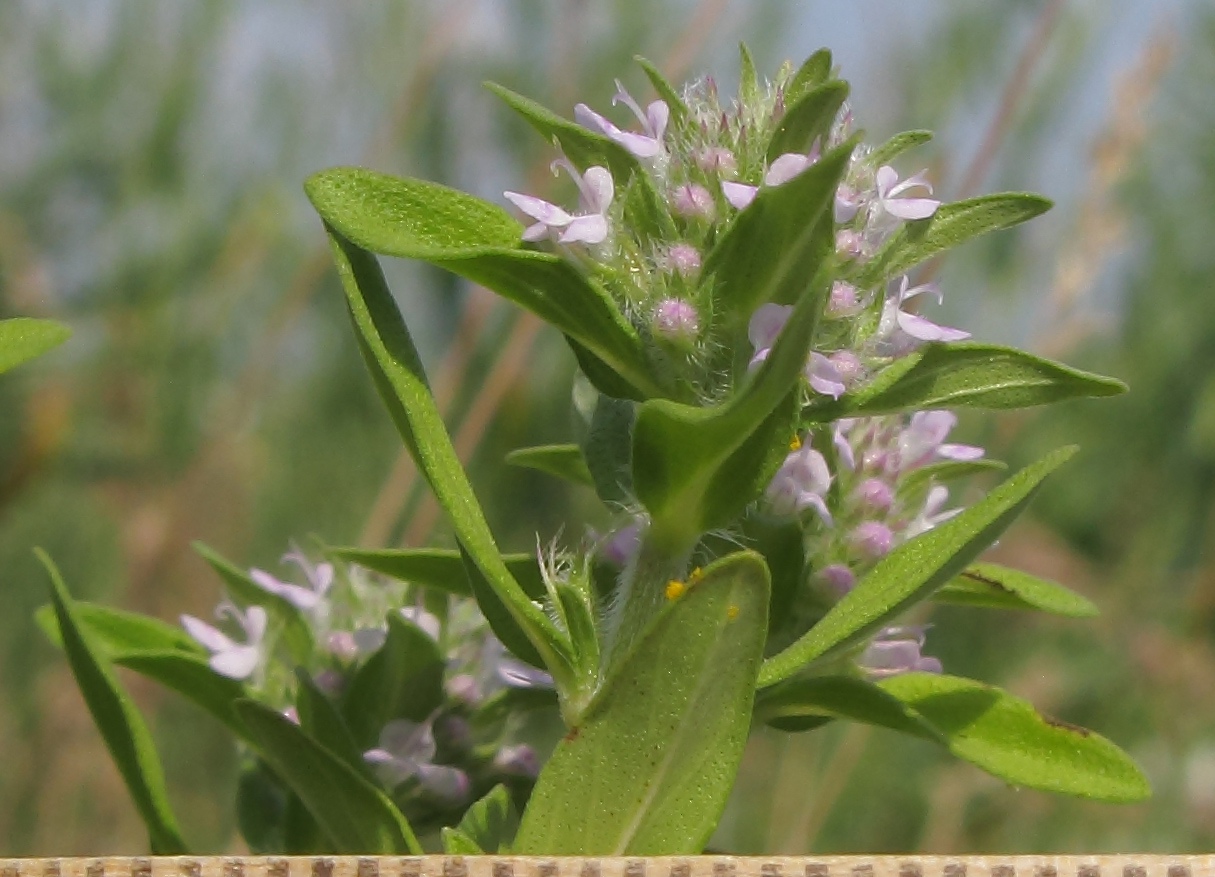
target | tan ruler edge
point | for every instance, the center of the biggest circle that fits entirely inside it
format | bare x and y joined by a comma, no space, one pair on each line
1126,865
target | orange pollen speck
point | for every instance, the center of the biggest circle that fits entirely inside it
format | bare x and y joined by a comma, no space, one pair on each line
795,442
694,575
732,612
674,589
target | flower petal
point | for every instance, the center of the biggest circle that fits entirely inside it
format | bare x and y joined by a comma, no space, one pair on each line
211,638
597,188
738,194
911,208
785,167
823,376
238,662
926,330
537,208
589,229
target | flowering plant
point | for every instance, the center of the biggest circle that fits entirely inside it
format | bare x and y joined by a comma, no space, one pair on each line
769,432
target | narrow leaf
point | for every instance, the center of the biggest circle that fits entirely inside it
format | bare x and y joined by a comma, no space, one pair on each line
439,568
896,146
415,219
23,338
393,361
803,704
695,468
952,224
192,678
564,461
665,90
779,241
965,374
358,817
810,117
814,71
580,145
115,632
748,79
648,770
1008,738
457,843
490,824
121,726
998,587
921,478
324,724
402,680
912,571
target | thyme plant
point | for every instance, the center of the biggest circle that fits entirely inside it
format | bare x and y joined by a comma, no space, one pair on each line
769,432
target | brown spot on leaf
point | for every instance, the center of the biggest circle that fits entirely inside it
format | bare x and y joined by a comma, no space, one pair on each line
1066,726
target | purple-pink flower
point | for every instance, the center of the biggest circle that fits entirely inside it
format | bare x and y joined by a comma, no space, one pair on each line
590,226
647,144
891,198
899,327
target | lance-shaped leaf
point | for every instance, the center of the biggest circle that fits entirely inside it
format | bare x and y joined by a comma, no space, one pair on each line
923,477
912,571
748,80
666,91
121,726
779,241
949,226
393,362
439,568
581,146
814,72
415,219
116,632
965,374
563,461
695,468
23,338
324,724
192,678
648,770
998,587
1008,738
402,680
896,146
810,117
245,592
805,704
357,817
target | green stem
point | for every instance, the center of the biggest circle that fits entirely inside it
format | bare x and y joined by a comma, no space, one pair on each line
643,593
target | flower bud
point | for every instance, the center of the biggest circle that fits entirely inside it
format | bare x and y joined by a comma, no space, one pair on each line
838,578
676,320
875,494
681,258
842,302
693,201
872,539
341,643
517,761
717,159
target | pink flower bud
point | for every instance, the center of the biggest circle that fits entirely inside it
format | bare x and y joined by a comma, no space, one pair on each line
872,539
676,320
848,366
838,578
717,159
682,258
875,494
843,300
693,200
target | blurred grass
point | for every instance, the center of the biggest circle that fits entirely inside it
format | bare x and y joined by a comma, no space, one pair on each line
150,197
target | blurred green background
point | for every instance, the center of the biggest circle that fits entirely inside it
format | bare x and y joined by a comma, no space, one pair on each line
151,156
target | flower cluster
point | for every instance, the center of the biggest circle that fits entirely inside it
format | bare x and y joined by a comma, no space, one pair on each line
707,165
440,760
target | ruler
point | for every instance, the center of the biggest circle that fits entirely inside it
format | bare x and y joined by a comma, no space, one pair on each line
1126,865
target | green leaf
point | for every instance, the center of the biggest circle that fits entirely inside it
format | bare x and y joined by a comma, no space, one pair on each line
665,90
969,374
260,809
438,568
402,680
601,375
648,770
245,592
804,704
115,632
564,461
810,117
896,146
23,338
998,587
192,678
358,817
415,219
503,623
1008,738
780,241
324,724
490,824
608,449
912,571
748,80
696,468
393,362
122,728
814,71
580,145
952,224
